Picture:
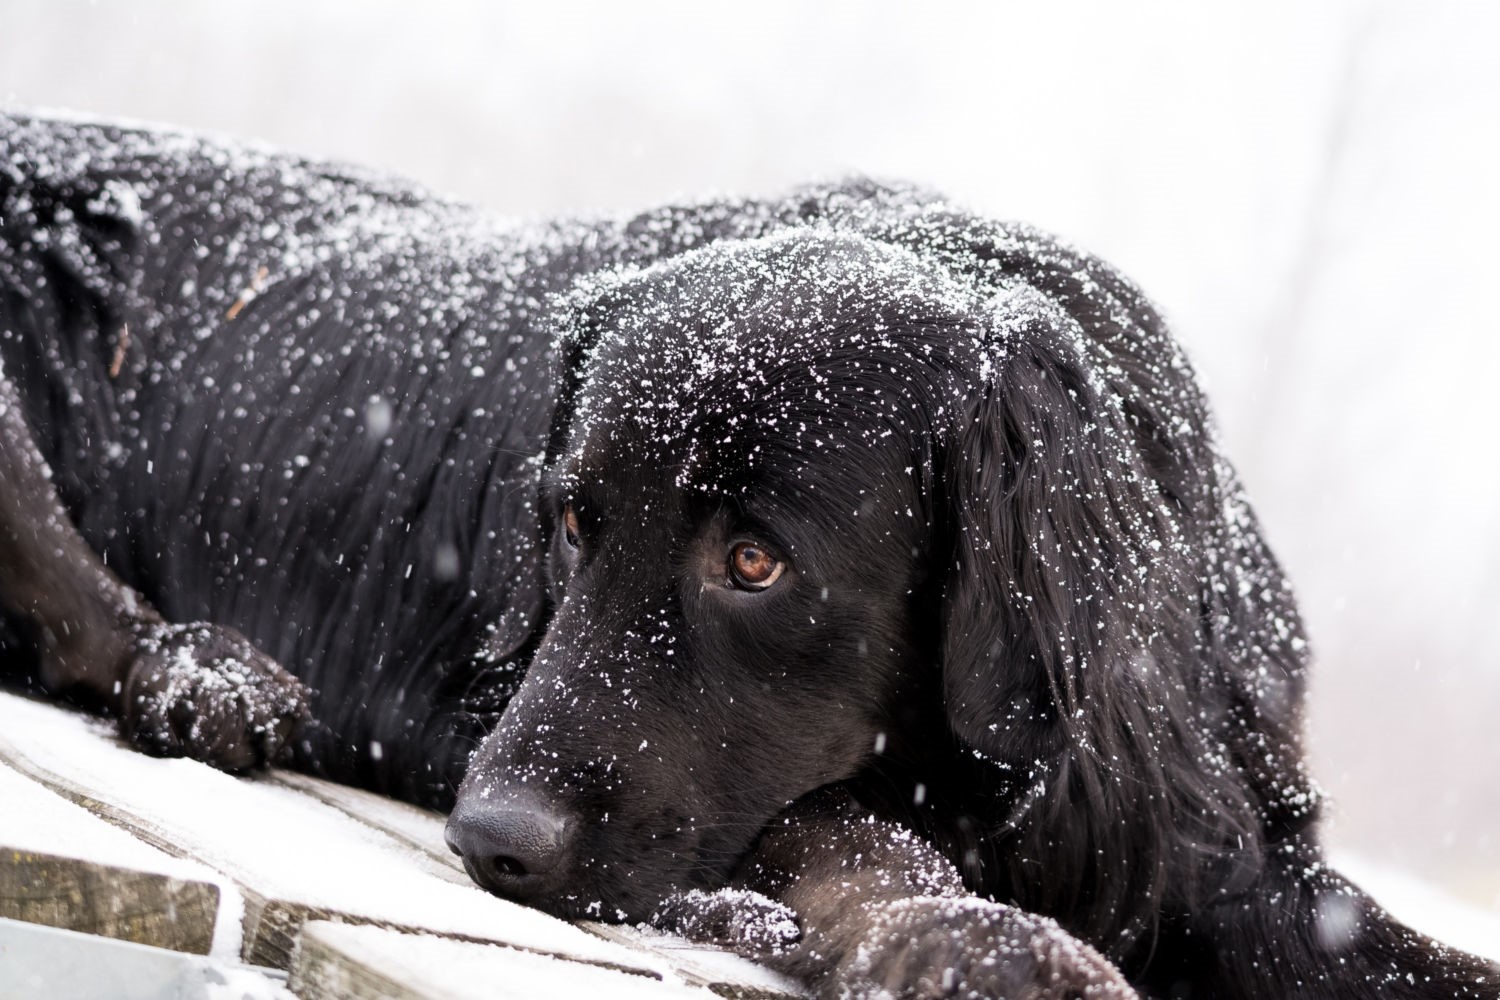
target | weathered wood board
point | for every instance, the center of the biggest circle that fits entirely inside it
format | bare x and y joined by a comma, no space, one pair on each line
64,867
344,962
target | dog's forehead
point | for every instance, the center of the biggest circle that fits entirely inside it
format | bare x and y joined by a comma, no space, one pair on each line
730,357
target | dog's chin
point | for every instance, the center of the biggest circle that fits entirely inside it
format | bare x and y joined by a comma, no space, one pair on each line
609,907
638,901
617,892
636,887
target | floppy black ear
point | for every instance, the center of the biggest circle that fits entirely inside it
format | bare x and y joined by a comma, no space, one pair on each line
1072,625
1067,557
576,320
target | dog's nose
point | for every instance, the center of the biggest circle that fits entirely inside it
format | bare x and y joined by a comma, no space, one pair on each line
507,844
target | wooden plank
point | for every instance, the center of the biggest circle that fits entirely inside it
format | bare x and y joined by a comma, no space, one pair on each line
63,867
78,895
294,859
343,962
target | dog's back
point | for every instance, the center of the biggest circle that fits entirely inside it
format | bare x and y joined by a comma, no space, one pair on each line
289,399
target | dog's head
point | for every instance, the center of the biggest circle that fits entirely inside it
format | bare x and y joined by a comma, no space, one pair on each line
809,499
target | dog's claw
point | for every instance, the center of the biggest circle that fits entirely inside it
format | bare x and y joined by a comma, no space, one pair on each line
203,691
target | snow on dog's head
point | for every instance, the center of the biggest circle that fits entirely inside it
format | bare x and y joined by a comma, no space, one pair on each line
840,506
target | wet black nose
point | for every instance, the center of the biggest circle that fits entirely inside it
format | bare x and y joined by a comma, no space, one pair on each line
509,845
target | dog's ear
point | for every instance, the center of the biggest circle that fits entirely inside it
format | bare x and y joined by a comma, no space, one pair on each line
1072,619
576,320
1065,553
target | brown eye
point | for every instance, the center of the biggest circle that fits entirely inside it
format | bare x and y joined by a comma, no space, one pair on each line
752,567
570,526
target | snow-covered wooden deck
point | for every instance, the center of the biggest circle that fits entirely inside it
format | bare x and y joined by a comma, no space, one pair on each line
337,892
172,880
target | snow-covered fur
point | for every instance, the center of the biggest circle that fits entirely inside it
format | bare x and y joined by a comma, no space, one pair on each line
460,478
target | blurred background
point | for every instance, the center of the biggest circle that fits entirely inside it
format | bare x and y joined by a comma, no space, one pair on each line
1308,190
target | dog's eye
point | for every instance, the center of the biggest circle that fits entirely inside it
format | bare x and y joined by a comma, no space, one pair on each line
570,526
752,567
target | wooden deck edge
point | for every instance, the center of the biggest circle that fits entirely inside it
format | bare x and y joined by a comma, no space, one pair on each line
122,903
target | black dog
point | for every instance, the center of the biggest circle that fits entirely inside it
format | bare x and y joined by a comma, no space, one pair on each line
778,532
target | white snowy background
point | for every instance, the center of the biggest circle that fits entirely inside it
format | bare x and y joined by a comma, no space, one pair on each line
1308,189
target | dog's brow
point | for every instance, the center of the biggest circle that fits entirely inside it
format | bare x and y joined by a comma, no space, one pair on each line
564,478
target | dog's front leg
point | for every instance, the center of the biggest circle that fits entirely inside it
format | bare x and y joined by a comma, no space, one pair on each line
199,690
883,913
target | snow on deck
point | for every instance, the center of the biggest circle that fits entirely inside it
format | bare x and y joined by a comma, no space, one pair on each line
348,892
289,853
124,889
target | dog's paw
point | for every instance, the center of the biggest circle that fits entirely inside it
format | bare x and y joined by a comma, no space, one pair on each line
929,947
203,691
739,920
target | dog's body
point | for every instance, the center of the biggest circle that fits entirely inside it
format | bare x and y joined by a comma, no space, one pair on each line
986,572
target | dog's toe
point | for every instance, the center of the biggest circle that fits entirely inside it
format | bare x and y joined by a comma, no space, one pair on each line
203,691
736,919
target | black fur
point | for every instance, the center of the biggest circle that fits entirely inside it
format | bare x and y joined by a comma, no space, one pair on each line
1026,610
